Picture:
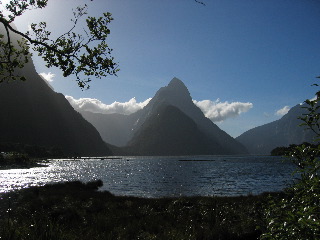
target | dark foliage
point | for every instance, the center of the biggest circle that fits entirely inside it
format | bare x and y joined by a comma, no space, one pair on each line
17,160
79,55
282,151
297,214
77,211
33,151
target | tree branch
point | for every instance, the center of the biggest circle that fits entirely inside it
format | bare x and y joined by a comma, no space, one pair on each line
200,2
71,52
8,44
35,42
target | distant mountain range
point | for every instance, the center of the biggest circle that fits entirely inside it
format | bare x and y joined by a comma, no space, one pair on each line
170,124
283,132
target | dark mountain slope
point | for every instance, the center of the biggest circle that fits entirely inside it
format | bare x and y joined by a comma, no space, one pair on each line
168,131
283,132
32,113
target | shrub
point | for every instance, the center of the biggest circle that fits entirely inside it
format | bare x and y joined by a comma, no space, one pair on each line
296,215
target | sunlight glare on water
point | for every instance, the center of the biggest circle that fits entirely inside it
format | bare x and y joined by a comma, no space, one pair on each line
162,176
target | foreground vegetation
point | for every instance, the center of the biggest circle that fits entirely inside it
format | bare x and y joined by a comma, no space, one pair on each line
13,160
78,211
297,214
32,151
19,155
286,151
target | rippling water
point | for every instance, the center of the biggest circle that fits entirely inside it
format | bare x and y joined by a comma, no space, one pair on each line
162,176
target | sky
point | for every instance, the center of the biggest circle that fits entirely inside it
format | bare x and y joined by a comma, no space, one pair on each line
245,63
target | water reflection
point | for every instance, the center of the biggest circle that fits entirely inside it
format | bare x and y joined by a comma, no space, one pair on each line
162,176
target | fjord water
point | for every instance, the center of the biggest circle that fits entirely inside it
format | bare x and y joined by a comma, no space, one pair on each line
162,176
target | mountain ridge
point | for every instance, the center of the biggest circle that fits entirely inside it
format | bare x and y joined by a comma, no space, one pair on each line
279,133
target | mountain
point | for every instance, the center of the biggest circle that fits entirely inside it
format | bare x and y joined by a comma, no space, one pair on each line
283,132
169,131
32,113
134,130
177,94
114,128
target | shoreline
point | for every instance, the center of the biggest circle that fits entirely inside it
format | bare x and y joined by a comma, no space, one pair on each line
31,163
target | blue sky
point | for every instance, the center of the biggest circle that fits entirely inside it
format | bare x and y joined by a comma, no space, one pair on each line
255,57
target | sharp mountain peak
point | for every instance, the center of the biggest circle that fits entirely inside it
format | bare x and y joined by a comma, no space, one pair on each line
175,89
176,83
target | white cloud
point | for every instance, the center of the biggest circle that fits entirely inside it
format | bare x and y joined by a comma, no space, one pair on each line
215,110
314,98
282,111
219,111
96,106
47,76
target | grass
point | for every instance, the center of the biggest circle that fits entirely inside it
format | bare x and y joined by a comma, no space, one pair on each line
75,210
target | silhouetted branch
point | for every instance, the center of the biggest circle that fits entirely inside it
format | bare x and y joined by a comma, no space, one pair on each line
200,2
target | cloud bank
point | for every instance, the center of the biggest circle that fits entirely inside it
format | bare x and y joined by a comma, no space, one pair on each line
282,111
96,106
218,111
47,76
